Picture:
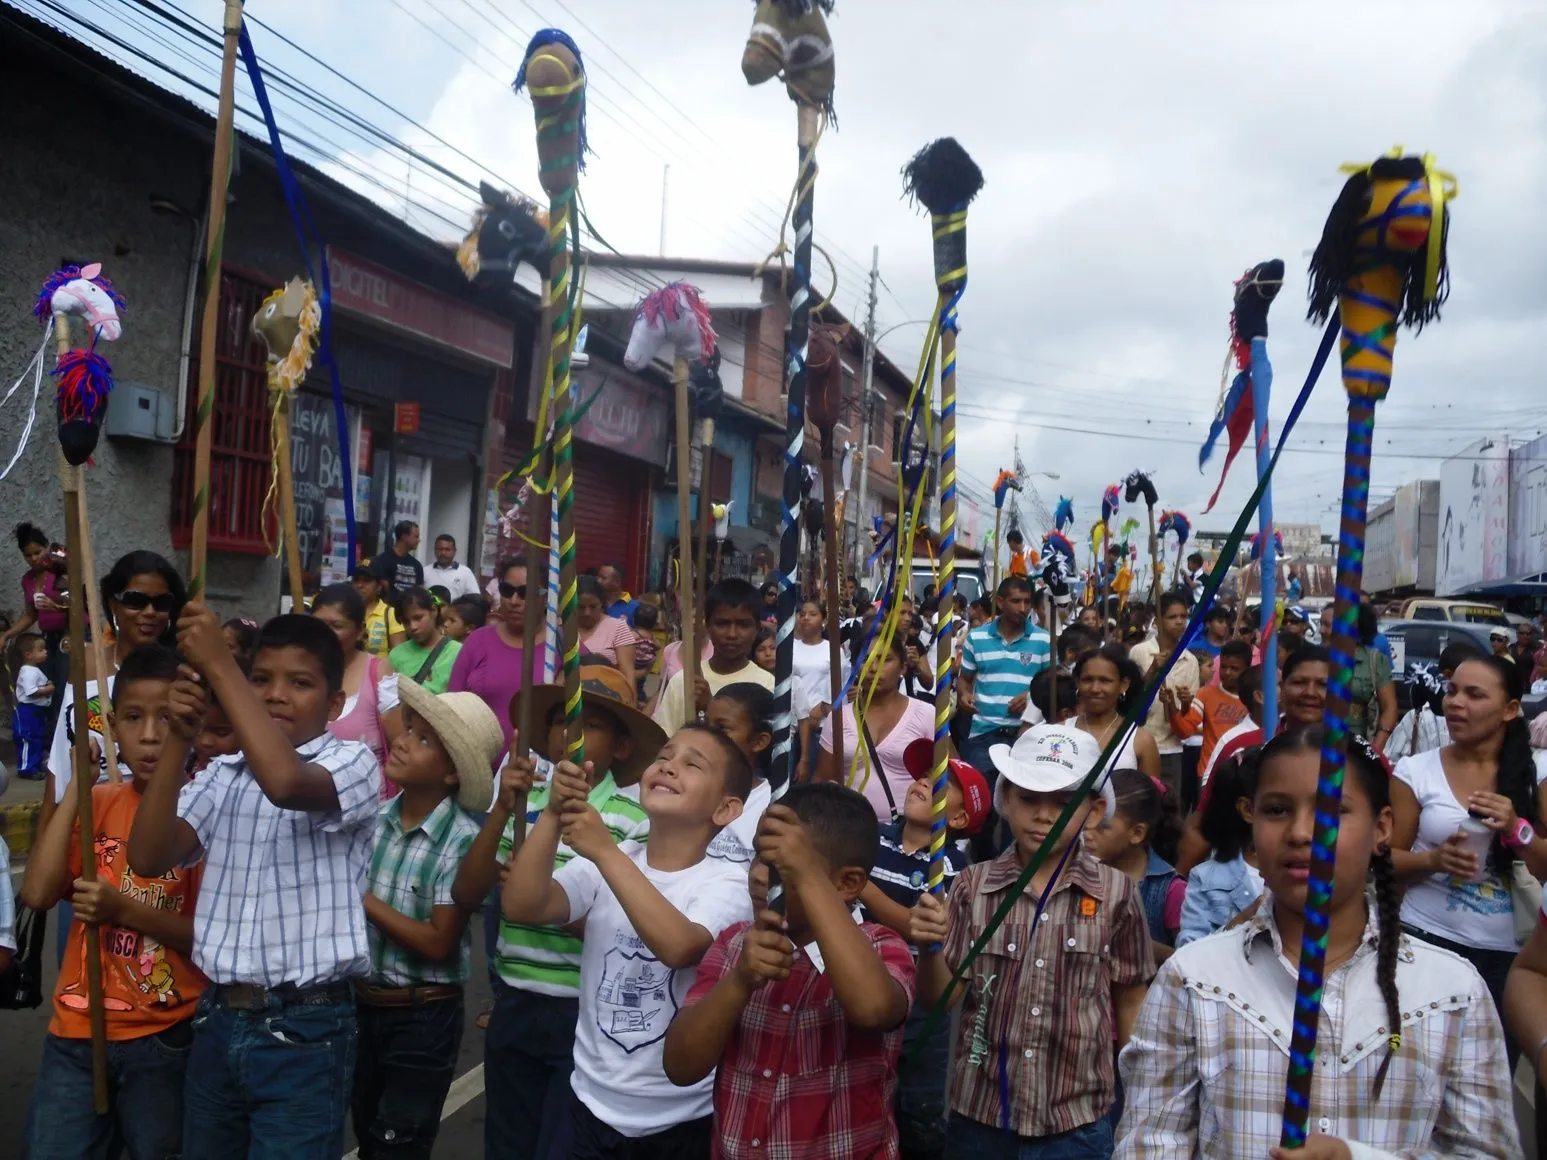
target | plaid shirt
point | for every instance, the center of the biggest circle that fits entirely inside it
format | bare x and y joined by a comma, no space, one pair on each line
412,873
1034,1053
796,1082
281,897
1205,1070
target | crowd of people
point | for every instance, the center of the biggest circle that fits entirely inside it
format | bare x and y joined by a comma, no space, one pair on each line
298,822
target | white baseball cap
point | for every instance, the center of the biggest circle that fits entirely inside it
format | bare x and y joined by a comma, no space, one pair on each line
1049,759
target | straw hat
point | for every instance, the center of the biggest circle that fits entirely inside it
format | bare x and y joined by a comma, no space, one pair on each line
470,732
607,688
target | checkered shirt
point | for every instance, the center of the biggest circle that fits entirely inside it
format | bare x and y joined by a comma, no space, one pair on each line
412,872
797,1083
1205,1069
281,899
1034,1052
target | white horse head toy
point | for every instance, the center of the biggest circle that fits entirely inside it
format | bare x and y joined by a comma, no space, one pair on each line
675,316
722,518
83,292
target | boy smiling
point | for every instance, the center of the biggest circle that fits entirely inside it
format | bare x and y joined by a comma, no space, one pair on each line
731,609
285,830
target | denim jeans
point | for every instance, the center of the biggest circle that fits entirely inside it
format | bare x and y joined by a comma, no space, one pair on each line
966,1139
271,1084
406,1061
528,1054
921,1079
145,1099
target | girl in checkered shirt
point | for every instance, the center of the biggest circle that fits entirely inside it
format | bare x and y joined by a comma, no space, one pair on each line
1410,1055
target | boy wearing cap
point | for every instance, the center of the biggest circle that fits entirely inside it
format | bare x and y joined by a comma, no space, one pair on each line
410,1005
1043,1002
899,876
530,1046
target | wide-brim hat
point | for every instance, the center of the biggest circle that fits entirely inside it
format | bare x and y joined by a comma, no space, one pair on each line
606,688
470,733
919,760
1049,759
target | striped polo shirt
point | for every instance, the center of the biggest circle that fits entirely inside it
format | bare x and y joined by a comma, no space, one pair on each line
1001,671
902,876
546,959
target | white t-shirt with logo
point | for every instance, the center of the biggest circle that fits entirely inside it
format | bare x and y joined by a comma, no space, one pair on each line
60,760
1476,914
628,998
735,842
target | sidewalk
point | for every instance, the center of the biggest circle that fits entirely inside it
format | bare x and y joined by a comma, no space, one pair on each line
18,808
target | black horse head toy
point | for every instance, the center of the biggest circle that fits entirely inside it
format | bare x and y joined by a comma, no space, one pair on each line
1254,293
1138,484
705,391
507,231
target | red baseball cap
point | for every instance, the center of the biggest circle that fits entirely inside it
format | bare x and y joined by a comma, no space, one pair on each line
919,760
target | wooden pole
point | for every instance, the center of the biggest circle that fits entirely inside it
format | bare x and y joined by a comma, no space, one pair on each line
830,568
98,623
539,527
993,574
705,473
685,537
1155,566
83,768
1052,630
288,531
220,180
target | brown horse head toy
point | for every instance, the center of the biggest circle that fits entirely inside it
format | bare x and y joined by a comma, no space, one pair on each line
555,74
824,376
790,38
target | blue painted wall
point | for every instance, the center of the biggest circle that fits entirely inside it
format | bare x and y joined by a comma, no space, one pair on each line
741,447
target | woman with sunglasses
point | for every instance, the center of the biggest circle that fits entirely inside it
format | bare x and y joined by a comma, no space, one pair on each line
494,657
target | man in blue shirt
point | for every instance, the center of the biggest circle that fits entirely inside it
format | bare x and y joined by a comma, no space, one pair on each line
619,602
998,662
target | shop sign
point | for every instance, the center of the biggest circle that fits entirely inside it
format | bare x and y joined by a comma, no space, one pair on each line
362,287
405,418
628,416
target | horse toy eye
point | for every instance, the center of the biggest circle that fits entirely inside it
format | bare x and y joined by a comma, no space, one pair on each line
507,229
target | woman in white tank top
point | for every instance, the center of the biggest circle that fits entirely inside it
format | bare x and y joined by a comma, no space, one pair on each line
1105,679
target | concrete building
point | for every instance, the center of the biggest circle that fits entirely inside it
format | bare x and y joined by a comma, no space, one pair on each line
427,361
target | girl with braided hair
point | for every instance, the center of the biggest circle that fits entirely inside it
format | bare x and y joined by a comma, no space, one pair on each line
1411,1054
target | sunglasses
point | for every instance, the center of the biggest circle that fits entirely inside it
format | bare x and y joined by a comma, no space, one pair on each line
139,601
507,591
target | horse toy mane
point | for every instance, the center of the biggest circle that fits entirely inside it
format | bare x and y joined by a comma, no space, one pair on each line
1138,484
1004,483
1254,544
674,302
85,379
1348,237
1110,502
1063,514
942,177
58,297
1176,522
507,230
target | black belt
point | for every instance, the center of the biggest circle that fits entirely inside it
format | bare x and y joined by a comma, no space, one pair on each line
252,997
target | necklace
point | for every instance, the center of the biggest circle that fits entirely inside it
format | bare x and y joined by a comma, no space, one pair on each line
1101,742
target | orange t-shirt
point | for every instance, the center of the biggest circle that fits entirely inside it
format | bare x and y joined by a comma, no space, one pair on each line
1221,712
146,987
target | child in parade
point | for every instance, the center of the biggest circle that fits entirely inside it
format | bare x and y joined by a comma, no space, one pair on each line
463,615
530,1046
381,630
216,736
146,924
745,713
427,655
1045,1001
899,876
241,636
410,1004
284,828
799,1017
651,912
1410,1052
1228,881
731,611
1126,841
29,719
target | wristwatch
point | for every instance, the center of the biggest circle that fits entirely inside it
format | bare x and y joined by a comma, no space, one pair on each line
1521,835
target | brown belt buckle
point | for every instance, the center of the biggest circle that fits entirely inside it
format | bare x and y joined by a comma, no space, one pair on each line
245,996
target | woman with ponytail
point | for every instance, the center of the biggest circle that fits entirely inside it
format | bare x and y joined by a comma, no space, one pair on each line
1412,1056
1464,815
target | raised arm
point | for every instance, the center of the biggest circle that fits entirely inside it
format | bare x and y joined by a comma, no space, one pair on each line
480,868
732,970
159,839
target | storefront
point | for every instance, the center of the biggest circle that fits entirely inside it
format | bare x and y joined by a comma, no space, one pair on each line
620,444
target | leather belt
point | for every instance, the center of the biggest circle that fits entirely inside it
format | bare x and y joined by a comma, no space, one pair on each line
373,996
252,997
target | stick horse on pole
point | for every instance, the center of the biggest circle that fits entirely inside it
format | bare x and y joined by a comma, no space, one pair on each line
1110,500
675,319
552,71
1177,523
1004,483
1134,486
1254,293
790,38
1381,262
824,404
944,180
80,405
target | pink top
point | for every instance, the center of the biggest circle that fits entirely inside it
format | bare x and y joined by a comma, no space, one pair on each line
610,633
363,723
49,620
917,720
488,666
671,659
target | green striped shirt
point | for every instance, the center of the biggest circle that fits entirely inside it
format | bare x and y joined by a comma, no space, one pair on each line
412,873
546,959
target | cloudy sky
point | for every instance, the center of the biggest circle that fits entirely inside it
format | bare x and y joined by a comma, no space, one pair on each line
1138,157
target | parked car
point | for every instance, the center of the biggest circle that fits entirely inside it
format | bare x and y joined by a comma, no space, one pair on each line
1421,641
1462,611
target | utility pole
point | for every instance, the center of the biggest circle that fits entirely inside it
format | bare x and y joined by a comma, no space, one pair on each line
865,408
